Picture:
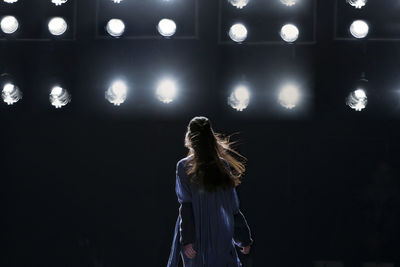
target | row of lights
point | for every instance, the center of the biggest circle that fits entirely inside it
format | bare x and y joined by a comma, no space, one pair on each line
242,3
56,2
289,95
116,94
58,26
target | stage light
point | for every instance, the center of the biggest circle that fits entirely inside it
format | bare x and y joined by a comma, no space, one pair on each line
359,29
357,99
166,27
116,93
57,26
59,97
117,1
11,93
357,3
288,2
289,96
115,27
10,1
9,24
238,32
240,97
289,33
166,91
59,2
239,3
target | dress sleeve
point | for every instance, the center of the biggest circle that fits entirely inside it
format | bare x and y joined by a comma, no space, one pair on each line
181,186
242,233
183,192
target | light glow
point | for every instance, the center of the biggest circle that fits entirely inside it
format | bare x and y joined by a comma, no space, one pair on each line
59,2
166,27
116,93
57,26
357,99
11,93
59,97
166,91
359,29
289,96
289,2
238,32
357,3
289,33
115,27
9,24
239,3
239,99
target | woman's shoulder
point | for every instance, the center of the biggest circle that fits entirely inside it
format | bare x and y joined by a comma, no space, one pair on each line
181,163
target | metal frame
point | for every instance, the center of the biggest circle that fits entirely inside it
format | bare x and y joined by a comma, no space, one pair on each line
314,41
59,39
150,37
336,38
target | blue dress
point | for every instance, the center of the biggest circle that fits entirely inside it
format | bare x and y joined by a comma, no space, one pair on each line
214,222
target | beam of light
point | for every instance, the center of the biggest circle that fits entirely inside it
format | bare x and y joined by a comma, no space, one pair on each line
57,26
239,3
239,98
116,93
59,97
289,33
11,93
357,99
166,27
166,91
59,2
10,1
117,1
289,2
357,3
289,96
359,29
9,24
238,32
115,27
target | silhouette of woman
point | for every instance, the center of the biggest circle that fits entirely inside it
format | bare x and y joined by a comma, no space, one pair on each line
209,223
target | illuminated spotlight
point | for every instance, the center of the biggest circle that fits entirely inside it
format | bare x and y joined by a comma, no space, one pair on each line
11,93
59,97
357,3
116,93
166,91
239,3
289,33
115,27
9,24
239,98
289,2
359,29
59,2
57,26
166,27
10,1
289,96
357,100
238,32
117,1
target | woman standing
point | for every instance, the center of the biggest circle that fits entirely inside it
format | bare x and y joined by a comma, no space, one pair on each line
210,222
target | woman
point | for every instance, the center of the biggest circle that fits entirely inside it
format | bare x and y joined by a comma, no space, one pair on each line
210,223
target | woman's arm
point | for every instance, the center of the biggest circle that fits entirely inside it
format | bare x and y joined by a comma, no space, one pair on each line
242,233
187,228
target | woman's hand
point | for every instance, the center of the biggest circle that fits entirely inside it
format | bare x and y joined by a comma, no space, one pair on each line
245,250
189,251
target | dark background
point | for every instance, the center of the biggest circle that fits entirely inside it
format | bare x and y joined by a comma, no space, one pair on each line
93,185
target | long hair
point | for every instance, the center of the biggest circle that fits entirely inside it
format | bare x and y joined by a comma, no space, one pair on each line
211,157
